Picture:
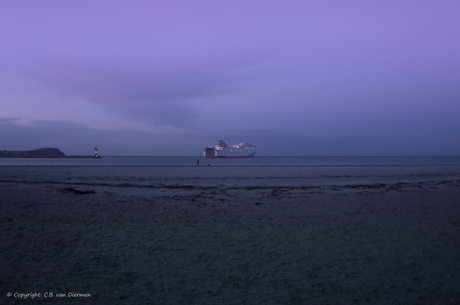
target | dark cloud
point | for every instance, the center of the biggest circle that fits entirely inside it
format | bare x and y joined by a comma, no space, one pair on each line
74,139
8,120
156,94
38,134
401,141
276,142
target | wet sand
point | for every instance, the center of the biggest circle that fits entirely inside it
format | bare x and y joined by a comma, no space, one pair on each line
230,235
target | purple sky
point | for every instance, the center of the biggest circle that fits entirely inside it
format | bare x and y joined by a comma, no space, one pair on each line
171,77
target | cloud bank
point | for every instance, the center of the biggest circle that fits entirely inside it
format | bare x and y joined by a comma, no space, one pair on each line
297,78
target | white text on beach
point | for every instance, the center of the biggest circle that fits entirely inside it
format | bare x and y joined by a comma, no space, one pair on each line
33,295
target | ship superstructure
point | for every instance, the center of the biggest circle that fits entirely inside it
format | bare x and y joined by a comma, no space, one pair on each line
222,150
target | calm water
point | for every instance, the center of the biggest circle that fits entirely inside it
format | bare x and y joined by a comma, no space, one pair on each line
256,161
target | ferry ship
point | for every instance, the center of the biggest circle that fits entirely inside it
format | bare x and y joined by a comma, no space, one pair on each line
222,150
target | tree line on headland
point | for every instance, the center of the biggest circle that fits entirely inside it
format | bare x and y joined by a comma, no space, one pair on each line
37,153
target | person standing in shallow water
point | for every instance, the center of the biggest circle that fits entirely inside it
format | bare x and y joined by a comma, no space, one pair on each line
197,162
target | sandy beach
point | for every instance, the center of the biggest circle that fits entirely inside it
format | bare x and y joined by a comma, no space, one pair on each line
230,235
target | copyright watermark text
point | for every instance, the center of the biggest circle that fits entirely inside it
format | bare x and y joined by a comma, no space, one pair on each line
48,294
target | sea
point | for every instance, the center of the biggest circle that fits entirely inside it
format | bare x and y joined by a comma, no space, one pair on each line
244,162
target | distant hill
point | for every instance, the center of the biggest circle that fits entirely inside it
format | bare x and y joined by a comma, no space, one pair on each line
40,153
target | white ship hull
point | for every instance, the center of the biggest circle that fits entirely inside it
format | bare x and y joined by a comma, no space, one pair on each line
221,150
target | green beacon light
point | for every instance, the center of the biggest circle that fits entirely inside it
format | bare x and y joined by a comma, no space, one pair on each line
95,151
